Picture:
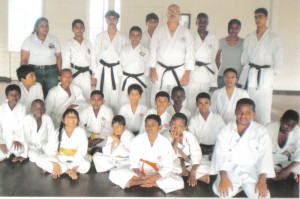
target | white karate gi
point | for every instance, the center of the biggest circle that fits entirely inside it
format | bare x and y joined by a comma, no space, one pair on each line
161,153
80,55
145,41
11,129
165,120
133,61
243,157
58,100
201,78
114,157
133,120
100,125
170,51
72,152
266,51
225,107
183,110
110,52
291,146
37,139
27,96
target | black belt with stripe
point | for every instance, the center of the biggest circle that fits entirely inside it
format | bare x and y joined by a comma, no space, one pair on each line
170,68
108,65
80,70
135,76
200,63
258,67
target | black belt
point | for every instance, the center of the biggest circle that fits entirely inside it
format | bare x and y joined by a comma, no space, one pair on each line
207,149
169,68
44,67
108,65
200,63
80,70
135,76
258,67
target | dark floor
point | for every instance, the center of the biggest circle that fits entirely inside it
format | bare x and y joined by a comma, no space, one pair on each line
26,179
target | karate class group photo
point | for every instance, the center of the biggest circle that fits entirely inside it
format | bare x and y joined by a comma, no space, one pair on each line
140,107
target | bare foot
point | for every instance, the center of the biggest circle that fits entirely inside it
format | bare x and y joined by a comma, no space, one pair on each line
18,159
150,184
184,173
134,182
205,179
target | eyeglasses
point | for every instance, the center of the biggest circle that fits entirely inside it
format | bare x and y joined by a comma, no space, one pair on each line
172,11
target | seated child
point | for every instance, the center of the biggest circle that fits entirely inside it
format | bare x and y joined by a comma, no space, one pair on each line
96,119
285,138
243,155
63,96
116,150
134,111
187,150
67,150
224,99
12,114
151,157
30,89
178,96
38,129
162,100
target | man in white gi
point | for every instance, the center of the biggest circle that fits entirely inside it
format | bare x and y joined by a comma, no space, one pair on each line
285,138
206,48
152,21
262,57
224,100
171,54
108,47
243,155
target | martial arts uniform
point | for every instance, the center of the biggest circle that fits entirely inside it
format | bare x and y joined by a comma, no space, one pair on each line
97,127
58,101
108,66
145,41
37,139
225,107
264,58
171,56
165,120
135,70
133,120
11,129
72,152
27,96
118,156
80,58
290,151
157,158
183,110
243,157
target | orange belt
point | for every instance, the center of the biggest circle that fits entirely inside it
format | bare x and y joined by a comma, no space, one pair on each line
151,164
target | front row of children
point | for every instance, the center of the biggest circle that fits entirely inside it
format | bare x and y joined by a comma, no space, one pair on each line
242,155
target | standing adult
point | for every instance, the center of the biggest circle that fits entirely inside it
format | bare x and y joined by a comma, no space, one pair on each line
43,52
230,51
262,54
152,21
171,54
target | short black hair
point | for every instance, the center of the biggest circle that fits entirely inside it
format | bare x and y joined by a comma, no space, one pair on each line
135,28
245,101
177,88
230,70
152,16
118,119
202,15
135,87
261,10
76,21
290,115
112,13
97,92
12,87
162,94
23,71
202,95
234,21
180,116
153,117
64,70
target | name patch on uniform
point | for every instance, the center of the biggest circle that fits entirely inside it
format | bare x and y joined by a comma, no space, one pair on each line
182,39
51,45
142,53
141,115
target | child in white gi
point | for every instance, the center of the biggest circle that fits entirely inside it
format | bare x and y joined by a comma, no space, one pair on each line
151,157
38,129
30,88
243,155
285,138
12,114
116,150
96,119
67,150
